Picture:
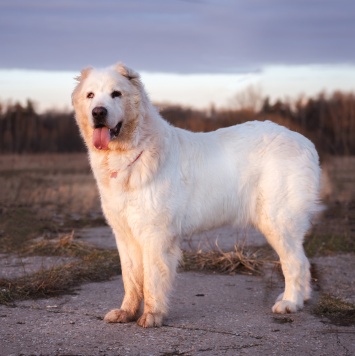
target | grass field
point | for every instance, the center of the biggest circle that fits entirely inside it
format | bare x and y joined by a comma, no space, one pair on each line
59,183
335,230
45,195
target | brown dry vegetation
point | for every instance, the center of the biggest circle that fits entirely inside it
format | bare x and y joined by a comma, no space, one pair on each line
335,230
92,265
240,260
45,195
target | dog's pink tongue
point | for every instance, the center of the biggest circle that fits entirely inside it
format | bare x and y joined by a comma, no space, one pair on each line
101,138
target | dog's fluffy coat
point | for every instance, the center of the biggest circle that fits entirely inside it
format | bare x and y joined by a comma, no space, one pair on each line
158,182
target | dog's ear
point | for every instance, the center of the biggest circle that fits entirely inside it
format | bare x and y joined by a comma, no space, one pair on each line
83,74
126,72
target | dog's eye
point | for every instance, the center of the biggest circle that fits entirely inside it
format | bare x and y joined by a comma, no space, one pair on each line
90,95
116,94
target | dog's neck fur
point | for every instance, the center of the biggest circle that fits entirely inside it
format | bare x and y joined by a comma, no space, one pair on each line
115,173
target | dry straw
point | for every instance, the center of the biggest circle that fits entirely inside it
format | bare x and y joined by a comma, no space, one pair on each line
241,259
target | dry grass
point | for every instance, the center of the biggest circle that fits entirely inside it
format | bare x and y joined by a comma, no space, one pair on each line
326,243
335,232
95,265
20,224
240,260
341,173
54,184
66,245
44,195
70,163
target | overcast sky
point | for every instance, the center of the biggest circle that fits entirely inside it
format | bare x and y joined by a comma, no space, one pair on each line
177,36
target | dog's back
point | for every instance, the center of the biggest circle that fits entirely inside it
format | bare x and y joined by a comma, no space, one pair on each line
227,175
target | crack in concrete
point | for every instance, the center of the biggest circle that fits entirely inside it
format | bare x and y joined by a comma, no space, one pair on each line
246,333
347,352
337,331
228,348
202,329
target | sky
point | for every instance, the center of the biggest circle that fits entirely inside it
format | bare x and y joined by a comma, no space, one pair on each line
190,52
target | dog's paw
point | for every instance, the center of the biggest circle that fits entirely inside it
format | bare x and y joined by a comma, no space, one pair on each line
284,307
149,320
118,316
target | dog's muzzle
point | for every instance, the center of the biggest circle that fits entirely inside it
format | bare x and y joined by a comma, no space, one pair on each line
102,134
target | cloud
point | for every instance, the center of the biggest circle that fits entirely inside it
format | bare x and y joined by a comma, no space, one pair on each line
218,36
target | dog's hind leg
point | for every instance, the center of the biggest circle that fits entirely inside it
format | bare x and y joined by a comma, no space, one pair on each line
160,258
295,267
287,240
132,274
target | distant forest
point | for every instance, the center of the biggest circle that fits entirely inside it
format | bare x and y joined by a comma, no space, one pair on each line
328,120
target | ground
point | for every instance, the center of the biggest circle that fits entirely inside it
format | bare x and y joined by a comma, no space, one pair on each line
60,274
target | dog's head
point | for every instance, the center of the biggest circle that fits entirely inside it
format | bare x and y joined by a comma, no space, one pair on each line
108,103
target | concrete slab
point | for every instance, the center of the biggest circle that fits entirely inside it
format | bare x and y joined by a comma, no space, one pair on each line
12,266
100,236
337,275
210,315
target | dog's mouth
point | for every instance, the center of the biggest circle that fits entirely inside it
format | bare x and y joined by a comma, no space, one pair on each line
103,135
115,131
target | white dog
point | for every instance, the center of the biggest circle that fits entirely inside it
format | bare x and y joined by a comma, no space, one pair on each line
159,182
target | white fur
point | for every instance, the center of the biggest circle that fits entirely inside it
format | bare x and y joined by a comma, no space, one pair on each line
256,173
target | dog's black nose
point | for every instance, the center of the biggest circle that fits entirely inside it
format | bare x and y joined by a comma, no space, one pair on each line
99,113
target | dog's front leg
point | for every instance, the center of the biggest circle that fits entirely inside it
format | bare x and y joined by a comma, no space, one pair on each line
132,275
160,259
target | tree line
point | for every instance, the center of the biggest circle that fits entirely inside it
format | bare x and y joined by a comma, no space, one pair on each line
23,130
328,120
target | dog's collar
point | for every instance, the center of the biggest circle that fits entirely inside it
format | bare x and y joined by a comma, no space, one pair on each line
114,173
137,158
